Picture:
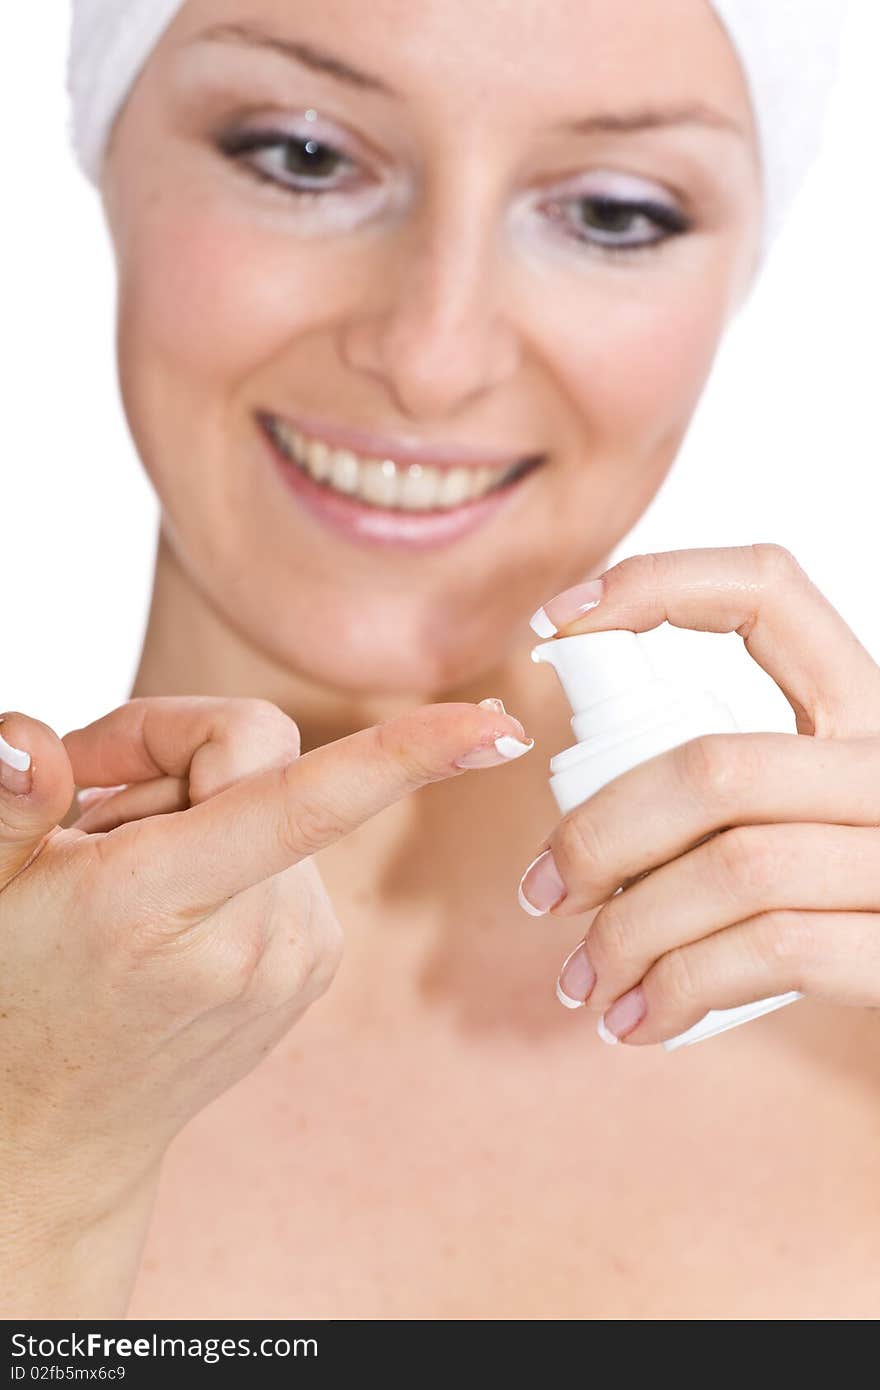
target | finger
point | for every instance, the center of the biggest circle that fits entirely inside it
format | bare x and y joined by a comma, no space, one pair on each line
830,956
199,858
210,741
708,783
159,797
759,591
36,789
739,873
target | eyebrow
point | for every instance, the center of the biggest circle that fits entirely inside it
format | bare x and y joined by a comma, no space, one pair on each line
315,58
649,118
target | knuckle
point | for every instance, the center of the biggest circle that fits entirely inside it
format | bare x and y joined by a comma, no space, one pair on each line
306,828
675,980
305,824
222,973
324,931
641,573
610,936
578,848
743,859
328,958
294,974
785,937
396,743
712,766
774,561
307,942
263,717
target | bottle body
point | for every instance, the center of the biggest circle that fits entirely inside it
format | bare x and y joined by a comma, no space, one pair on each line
624,714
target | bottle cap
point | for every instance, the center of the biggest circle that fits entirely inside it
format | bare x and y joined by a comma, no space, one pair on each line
596,665
622,711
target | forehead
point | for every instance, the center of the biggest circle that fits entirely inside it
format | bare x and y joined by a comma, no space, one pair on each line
532,57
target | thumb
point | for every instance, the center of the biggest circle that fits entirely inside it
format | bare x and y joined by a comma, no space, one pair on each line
36,789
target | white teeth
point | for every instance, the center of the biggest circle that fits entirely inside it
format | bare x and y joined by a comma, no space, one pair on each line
317,457
378,482
284,435
454,487
344,470
482,480
418,488
414,487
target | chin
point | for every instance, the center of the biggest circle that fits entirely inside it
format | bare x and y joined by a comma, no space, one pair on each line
373,649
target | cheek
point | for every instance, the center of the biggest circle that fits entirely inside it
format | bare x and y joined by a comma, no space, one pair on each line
203,302
633,357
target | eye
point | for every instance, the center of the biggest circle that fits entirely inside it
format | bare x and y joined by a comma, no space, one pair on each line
618,224
300,163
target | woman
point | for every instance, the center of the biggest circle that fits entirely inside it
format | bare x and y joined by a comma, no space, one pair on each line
409,333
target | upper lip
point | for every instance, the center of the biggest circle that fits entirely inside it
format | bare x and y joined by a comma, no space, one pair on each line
403,448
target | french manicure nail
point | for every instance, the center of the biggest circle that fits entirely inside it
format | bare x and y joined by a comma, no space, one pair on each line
503,750
92,796
541,624
509,747
625,1014
541,886
576,979
566,607
15,768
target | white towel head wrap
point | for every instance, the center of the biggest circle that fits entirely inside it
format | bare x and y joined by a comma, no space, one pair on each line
789,50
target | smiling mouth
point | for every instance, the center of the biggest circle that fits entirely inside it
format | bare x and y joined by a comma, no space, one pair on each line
385,483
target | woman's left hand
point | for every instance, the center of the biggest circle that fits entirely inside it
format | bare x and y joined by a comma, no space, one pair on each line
787,895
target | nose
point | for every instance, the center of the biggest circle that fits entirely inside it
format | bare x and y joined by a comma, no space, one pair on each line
435,334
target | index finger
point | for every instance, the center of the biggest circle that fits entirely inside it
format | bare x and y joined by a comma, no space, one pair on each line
189,862
760,592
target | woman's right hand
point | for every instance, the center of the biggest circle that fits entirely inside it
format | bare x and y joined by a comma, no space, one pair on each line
148,967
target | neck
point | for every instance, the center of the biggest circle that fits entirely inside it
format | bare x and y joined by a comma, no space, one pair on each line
190,648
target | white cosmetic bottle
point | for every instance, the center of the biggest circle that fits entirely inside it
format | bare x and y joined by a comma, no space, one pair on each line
624,713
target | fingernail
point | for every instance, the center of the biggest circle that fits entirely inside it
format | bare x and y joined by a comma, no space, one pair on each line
604,1033
541,886
624,1015
566,607
502,749
92,796
15,768
576,979
508,747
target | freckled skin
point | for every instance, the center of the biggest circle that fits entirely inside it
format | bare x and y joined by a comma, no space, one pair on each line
438,1138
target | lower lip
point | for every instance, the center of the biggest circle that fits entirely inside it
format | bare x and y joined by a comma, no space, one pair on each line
358,521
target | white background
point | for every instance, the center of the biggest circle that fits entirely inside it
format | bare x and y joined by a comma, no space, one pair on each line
785,446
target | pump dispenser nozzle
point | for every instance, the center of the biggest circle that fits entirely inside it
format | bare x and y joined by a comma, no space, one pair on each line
624,713
596,665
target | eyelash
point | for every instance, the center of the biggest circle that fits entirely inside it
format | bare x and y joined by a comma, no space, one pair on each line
241,143
668,221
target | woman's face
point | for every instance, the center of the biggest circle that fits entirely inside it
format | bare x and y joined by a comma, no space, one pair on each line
502,236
